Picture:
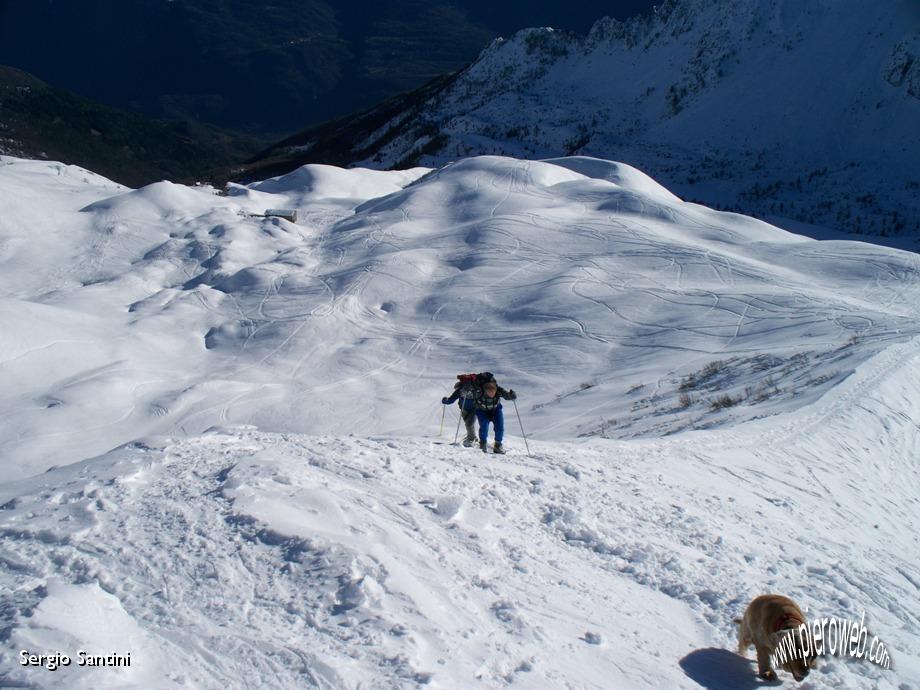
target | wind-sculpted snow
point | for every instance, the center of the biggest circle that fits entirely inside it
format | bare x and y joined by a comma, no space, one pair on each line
614,308
240,556
278,510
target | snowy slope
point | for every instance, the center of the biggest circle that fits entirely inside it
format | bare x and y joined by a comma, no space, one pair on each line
800,109
615,308
281,511
241,558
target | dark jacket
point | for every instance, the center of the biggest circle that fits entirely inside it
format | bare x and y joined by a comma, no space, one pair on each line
469,391
487,404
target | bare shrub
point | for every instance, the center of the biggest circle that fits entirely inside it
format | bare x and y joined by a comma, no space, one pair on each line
724,401
713,368
688,384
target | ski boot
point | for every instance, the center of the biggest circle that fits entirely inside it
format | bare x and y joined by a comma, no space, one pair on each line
497,448
469,441
483,447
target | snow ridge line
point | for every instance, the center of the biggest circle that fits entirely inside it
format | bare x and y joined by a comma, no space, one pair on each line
900,359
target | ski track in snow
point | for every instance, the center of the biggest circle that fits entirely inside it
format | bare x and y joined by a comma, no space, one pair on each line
240,539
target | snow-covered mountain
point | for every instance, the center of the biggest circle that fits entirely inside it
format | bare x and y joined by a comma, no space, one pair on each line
258,67
222,447
806,110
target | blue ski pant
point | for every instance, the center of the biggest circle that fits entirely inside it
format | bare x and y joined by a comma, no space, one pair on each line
496,417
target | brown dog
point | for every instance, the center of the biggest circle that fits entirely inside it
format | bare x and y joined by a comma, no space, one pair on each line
766,620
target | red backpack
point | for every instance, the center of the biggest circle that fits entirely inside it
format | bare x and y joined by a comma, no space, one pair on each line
463,379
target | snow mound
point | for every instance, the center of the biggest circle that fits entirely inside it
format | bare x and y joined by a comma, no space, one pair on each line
323,182
618,173
157,200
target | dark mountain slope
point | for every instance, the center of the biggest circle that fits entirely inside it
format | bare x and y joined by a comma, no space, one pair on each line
37,121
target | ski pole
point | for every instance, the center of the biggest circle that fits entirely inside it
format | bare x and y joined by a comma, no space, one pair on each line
443,412
457,433
526,445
